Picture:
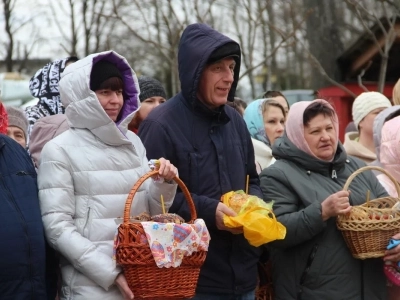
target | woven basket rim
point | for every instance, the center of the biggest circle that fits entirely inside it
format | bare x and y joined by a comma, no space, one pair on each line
141,180
369,168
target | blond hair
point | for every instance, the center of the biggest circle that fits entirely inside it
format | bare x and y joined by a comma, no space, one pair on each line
268,102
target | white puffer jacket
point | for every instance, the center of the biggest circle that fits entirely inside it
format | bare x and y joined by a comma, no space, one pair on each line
84,177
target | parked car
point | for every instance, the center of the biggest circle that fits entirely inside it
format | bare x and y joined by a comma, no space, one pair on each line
14,88
31,102
294,96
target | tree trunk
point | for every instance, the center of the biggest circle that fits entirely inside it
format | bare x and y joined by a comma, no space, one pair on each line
323,39
10,44
382,72
74,37
272,39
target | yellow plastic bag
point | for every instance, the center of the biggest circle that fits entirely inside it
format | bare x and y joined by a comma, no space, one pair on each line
255,216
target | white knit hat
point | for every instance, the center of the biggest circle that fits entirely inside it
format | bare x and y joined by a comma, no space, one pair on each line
367,102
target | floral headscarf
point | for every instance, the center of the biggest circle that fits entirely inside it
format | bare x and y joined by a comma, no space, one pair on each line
254,121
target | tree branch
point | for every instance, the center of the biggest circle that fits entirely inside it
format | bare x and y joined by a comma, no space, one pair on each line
321,69
360,76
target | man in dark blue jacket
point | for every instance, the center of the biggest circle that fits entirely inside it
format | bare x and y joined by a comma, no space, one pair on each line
209,143
22,249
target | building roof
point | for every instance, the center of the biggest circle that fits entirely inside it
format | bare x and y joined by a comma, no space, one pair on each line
364,54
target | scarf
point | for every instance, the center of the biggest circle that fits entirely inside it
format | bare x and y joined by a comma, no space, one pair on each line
254,121
44,86
295,128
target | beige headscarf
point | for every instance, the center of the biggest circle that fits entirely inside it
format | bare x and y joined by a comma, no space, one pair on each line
295,128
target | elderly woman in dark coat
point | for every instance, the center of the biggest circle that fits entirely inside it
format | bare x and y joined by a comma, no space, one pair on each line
306,182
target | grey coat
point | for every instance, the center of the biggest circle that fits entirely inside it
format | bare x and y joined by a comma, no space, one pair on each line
313,261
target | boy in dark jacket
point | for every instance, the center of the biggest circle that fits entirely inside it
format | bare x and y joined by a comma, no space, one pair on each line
209,143
22,251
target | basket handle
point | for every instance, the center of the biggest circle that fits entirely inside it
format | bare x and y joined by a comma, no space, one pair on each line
366,168
142,179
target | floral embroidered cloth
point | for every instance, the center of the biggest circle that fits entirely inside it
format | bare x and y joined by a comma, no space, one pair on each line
170,242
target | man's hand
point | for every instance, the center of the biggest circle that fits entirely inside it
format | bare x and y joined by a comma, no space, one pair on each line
222,210
335,204
123,287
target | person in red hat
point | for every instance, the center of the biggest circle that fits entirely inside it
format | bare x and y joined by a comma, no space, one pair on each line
3,119
22,254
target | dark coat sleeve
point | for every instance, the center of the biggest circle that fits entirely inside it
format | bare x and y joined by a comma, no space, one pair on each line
302,224
158,144
254,180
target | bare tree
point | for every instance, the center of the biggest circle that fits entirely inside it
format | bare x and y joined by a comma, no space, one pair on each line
69,36
254,22
324,40
246,22
11,25
271,65
387,30
158,27
97,26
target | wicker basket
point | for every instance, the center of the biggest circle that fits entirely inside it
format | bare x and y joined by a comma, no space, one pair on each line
145,279
264,290
368,228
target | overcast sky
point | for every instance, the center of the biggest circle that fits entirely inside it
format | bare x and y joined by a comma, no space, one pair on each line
41,29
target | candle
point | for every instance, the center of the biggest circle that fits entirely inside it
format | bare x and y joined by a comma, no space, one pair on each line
162,204
247,184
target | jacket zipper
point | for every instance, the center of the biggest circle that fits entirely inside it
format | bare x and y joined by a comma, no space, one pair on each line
303,277
22,219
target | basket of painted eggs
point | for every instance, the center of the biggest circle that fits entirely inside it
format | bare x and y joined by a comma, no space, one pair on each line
368,228
161,255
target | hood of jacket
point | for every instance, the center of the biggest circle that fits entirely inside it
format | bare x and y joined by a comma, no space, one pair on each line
44,85
85,110
283,148
390,150
197,43
384,116
354,148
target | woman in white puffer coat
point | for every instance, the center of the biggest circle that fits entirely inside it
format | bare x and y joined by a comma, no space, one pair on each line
86,173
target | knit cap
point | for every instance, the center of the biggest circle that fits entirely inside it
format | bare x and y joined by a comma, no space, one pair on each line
150,87
17,118
102,71
367,102
228,50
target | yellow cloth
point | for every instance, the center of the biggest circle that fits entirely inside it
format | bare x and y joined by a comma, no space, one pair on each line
255,217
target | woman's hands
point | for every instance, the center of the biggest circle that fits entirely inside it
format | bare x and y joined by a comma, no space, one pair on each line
167,170
123,287
394,253
336,204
